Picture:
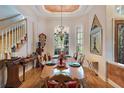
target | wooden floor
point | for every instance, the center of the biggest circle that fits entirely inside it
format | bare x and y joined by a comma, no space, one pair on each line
92,81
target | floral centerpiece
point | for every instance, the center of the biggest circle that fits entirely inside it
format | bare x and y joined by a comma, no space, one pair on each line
61,61
62,58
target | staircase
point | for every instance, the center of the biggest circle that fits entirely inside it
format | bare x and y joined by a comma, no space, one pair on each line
13,35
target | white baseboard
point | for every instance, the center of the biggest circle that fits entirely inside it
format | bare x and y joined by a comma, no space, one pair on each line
103,78
113,84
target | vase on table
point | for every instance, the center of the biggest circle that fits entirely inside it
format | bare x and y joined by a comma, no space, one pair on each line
61,61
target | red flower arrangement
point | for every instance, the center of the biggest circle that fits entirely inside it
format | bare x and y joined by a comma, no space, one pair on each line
61,57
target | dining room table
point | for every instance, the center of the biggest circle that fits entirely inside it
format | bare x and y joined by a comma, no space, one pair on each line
70,69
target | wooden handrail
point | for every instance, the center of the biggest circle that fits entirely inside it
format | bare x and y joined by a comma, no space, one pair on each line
3,19
12,24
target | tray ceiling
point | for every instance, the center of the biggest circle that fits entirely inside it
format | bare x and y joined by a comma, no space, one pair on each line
68,10
65,8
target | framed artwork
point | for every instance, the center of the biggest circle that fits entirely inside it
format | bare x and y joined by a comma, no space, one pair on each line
96,37
96,41
119,41
42,40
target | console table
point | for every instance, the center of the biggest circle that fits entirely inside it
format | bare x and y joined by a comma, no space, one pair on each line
13,73
2,64
25,61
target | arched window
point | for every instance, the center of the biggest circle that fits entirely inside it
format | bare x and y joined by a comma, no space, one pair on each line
61,40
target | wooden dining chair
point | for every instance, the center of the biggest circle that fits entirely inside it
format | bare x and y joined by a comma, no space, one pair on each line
75,56
49,57
81,60
61,81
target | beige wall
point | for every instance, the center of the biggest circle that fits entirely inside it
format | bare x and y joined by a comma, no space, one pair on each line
111,16
100,12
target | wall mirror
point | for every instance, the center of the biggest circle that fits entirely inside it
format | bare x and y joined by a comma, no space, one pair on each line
96,37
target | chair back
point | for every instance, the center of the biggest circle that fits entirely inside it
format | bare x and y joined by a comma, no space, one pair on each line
61,81
81,60
75,56
61,78
49,57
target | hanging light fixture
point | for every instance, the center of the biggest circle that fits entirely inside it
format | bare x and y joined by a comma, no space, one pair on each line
61,26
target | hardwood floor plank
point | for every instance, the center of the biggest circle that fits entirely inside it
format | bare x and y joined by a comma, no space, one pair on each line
92,81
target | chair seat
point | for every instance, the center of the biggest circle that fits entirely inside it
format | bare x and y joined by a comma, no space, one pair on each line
61,81
71,84
52,84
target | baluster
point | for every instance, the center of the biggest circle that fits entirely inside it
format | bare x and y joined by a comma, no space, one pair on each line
18,33
12,37
6,42
2,45
15,35
23,30
9,41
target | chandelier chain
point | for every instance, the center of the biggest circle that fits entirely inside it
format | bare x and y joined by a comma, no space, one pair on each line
61,18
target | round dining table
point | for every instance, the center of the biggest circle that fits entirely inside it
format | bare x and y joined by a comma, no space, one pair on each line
73,72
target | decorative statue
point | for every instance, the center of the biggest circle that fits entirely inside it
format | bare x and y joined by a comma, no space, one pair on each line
41,44
42,40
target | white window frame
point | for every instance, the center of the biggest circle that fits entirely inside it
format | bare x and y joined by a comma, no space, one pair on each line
82,37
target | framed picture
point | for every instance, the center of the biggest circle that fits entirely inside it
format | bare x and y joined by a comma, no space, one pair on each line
96,41
119,40
42,40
